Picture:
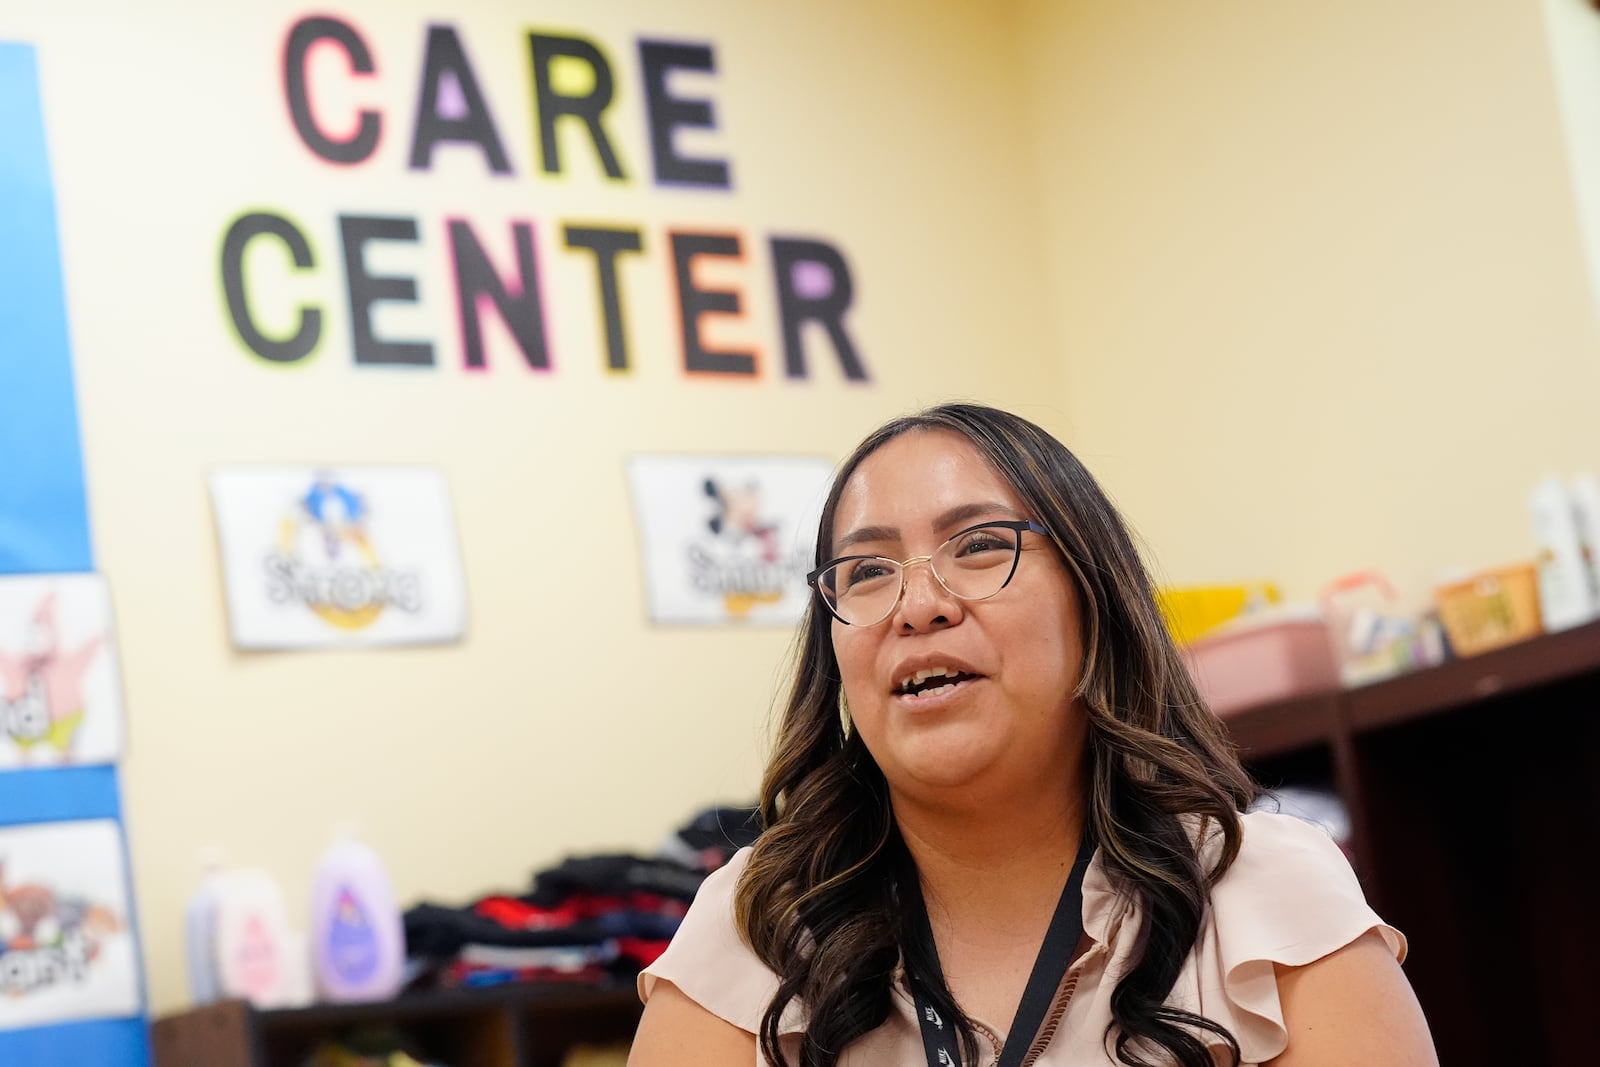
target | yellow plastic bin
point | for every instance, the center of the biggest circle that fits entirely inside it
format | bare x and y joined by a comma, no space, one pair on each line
1194,611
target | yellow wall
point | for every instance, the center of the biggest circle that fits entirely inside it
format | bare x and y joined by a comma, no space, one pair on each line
1316,278
1301,282
564,723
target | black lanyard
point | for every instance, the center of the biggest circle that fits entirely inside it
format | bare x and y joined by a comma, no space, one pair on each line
1060,940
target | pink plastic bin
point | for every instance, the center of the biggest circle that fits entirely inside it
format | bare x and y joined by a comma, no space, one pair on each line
1254,663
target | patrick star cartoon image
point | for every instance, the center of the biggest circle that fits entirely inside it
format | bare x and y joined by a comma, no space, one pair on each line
41,690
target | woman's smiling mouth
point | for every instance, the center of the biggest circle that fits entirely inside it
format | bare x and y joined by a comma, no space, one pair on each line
932,682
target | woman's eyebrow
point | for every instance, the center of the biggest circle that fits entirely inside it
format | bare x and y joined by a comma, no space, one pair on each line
866,533
962,512
945,520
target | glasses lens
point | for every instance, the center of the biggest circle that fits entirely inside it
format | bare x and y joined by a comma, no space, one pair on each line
861,591
977,563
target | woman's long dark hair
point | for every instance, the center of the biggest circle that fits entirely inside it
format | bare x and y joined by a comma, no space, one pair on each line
820,901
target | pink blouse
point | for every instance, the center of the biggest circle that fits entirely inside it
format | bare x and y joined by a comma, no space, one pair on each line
1290,898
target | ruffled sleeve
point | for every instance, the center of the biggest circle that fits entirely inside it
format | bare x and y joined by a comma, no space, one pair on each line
711,963
1290,898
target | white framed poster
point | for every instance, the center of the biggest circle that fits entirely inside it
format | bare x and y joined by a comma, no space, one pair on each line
60,695
325,557
67,949
727,539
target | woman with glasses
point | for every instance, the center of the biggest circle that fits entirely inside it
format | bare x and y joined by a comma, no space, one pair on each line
1001,826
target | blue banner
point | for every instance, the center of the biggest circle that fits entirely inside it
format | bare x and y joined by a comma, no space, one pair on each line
58,795
102,1043
44,521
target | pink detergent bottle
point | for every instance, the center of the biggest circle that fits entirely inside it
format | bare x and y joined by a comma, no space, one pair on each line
357,940
253,947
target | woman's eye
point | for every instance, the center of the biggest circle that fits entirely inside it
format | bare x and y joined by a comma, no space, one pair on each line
981,542
867,570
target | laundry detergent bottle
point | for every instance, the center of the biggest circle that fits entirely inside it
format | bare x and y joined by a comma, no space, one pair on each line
357,941
200,933
254,946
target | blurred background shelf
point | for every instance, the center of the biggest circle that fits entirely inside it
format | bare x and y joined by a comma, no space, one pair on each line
1526,666
1269,730
512,1026
1474,797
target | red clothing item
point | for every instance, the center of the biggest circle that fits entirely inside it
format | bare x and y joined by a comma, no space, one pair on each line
517,914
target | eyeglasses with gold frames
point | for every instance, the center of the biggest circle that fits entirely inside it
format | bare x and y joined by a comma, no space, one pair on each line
974,564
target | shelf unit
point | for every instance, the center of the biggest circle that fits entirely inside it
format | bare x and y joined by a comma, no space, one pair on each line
512,1026
1474,796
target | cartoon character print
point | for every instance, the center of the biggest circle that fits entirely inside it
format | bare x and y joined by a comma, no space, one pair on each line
47,938
336,516
739,516
41,689
738,520
339,512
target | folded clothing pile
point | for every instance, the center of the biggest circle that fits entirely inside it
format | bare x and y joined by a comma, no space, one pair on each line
592,919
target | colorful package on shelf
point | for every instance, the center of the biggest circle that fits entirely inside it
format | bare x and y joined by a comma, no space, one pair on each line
1490,609
1372,637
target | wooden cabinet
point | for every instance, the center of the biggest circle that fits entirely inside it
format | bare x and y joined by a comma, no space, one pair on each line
1474,795
527,1026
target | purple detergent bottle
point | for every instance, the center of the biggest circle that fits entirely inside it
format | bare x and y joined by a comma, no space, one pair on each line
357,941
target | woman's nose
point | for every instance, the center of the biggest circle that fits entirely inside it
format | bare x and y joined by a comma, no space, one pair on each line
925,604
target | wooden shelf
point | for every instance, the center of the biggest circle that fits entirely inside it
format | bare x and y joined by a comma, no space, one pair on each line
1269,730
407,1006
1527,665
1273,729
1474,797
509,1026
